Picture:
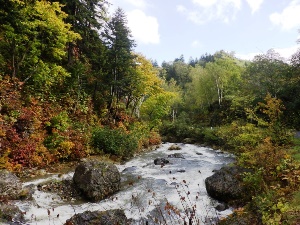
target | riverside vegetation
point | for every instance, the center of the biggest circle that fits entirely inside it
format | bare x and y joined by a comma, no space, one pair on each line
72,86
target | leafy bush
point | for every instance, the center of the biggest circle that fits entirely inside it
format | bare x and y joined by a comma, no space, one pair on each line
241,137
254,182
59,122
271,207
293,213
180,130
210,136
145,136
53,141
115,142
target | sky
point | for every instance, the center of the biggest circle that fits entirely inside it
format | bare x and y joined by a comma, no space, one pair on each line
164,30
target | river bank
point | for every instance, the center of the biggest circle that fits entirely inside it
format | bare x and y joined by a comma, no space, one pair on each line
146,188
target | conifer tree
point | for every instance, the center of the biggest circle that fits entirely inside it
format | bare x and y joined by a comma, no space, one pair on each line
120,58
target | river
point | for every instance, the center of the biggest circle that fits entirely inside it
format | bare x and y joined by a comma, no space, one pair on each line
157,194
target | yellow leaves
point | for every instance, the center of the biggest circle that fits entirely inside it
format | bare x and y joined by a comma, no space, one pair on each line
51,18
20,2
146,78
64,150
272,108
4,160
239,210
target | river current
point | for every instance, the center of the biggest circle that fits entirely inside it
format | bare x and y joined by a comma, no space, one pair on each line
150,194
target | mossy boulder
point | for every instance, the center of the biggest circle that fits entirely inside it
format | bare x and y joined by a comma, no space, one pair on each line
11,214
226,185
109,217
174,147
97,179
11,187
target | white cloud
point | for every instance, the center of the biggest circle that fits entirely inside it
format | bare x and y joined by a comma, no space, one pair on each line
196,44
144,28
126,4
137,3
289,18
207,10
287,52
181,8
284,52
254,4
205,3
247,56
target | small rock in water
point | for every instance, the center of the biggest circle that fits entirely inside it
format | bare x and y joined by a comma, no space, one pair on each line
181,171
130,169
199,153
176,155
221,207
174,147
160,161
189,141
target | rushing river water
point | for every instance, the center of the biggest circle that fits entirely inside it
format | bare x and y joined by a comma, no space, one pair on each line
159,195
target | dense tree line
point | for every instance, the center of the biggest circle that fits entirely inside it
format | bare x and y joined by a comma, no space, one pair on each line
217,88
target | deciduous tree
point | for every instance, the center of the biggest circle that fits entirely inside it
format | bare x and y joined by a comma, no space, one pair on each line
33,44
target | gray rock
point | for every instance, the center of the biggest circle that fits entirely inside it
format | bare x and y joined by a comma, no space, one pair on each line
10,185
161,161
221,207
97,179
129,169
226,184
11,213
176,155
110,217
174,147
189,141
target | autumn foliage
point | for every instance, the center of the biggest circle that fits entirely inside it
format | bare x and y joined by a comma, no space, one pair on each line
27,124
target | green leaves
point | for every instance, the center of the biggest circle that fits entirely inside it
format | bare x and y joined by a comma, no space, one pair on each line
35,43
266,74
115,142
156,107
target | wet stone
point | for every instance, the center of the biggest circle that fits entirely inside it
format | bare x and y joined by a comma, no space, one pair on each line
161,161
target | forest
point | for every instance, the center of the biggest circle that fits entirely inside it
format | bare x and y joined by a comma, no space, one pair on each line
72,86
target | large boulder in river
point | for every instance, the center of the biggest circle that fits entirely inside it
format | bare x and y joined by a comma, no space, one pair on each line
11,214
97,179
226,184
10,185
110,217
